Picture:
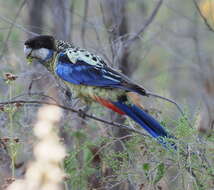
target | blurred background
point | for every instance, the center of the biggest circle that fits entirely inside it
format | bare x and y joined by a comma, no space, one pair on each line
166,46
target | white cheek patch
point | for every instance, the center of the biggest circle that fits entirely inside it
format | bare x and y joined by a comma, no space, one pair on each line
41,53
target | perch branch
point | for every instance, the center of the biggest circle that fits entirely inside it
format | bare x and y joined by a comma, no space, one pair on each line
75,111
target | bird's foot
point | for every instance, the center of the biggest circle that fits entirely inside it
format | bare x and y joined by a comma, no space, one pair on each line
82,112
68,95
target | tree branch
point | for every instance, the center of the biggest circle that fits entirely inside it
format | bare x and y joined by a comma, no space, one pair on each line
75,111
5,19
150,94
147,23
83,28
11,27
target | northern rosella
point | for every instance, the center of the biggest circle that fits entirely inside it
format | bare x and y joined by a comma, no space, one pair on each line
91,79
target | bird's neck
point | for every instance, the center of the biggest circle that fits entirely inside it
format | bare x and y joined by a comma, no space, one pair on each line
50,63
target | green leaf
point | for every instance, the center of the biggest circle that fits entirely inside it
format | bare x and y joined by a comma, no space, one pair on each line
160,172
80,134
146,167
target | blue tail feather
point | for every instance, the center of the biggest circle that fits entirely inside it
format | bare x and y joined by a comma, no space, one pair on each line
147,122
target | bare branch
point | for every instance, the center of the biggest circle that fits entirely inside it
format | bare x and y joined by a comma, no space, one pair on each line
39,94
84,22
202,16
61,19
5,19
147,23
11,27
84,115
150,94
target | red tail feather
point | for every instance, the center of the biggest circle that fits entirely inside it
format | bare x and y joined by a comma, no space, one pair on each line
108,104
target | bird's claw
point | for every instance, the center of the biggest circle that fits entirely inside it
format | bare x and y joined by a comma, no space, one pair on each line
81,113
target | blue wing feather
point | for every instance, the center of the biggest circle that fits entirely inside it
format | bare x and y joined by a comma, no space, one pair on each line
85,73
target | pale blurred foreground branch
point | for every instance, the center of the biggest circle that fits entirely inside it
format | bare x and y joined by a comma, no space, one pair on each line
44,173
81,113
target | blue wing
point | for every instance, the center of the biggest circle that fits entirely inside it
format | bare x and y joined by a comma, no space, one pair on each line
92,75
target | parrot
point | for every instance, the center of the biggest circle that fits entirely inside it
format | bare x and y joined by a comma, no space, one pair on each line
91,79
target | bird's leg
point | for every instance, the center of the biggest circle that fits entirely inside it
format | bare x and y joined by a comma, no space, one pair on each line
68,94
83,111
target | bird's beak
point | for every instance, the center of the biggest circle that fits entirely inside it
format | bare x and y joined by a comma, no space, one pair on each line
27,52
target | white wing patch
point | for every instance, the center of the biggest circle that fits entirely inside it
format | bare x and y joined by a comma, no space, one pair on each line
75,54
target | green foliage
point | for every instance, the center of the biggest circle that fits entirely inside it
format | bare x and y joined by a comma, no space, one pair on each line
78,163
117,161
146,168
77,172
183,129
133,142
160,172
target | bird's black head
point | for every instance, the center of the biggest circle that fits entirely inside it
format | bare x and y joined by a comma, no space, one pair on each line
42,41
40,48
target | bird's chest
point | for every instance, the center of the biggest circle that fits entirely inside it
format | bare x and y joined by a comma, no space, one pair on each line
89,93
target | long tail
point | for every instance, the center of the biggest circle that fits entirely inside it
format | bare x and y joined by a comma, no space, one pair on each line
147,122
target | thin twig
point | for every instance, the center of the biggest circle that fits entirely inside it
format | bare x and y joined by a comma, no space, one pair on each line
11,27
192,173
102,148
203,17
105,23
5,19
150,94
84,22
84,115
147,23
40,94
